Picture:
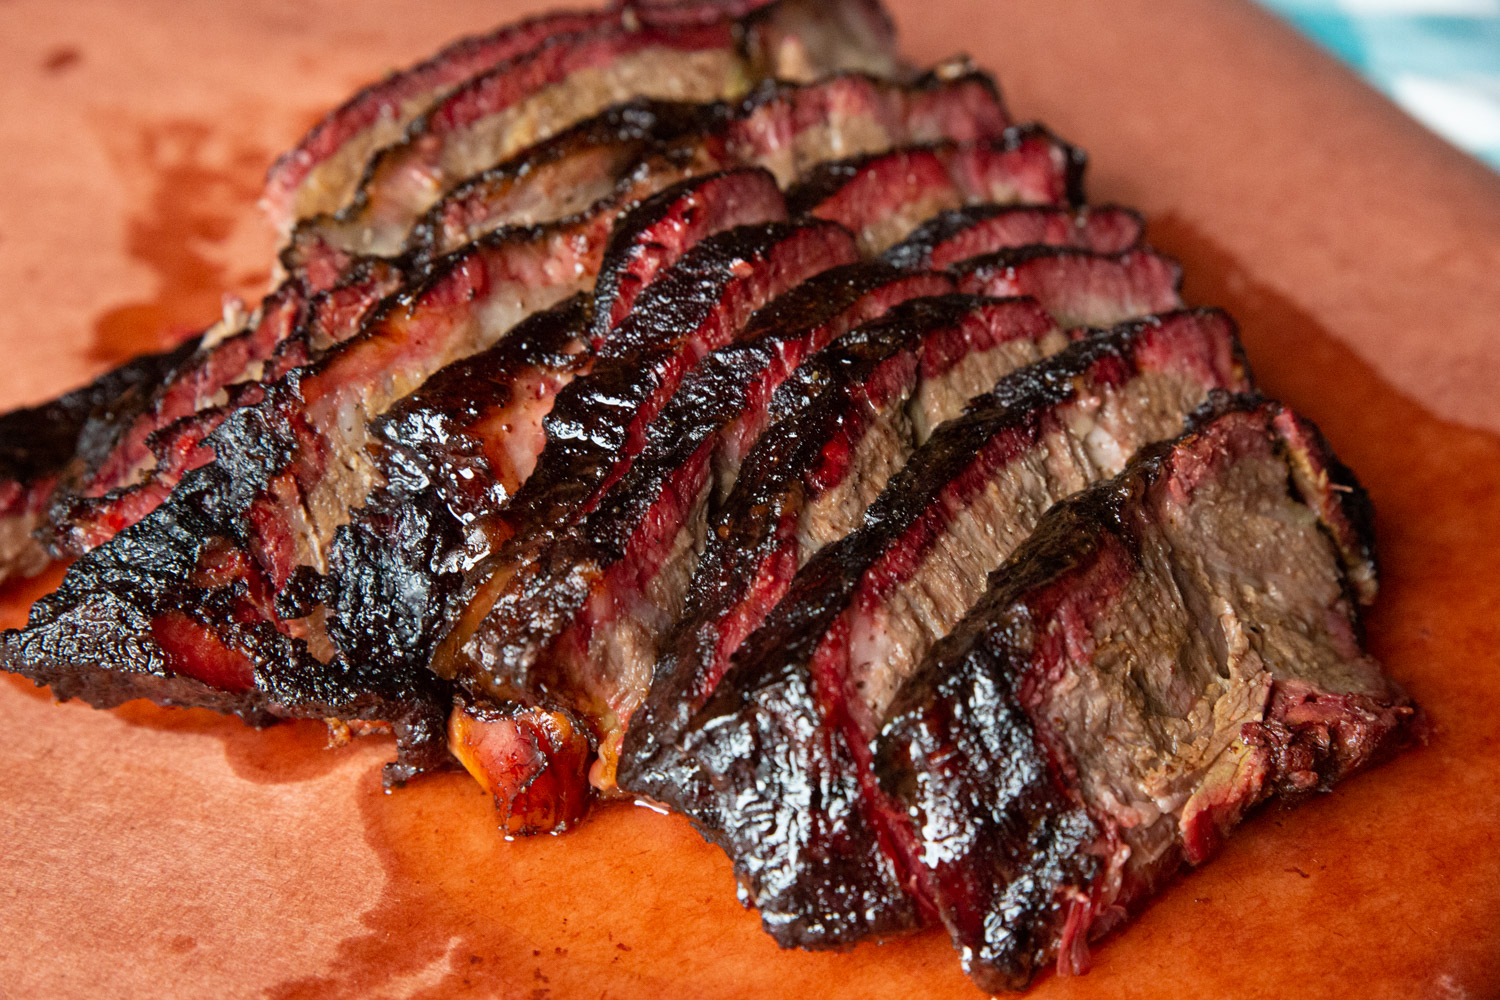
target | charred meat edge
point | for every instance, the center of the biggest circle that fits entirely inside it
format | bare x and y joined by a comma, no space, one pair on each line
775,767
1249,684
196,595
40,445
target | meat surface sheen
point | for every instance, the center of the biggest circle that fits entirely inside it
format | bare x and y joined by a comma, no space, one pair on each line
885,195
219,559
959,234
775,768
1170,648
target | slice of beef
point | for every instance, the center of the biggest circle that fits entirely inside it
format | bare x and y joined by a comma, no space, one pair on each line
199,599
568,78
885,195
1082,288
498,113
137,463
785,127
39,445
962,233
1169,649
321,172
776,767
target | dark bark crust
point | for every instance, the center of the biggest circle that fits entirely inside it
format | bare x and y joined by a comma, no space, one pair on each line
598,423
215,560
396,567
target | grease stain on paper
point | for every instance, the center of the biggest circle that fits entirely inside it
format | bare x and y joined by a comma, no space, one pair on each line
200,180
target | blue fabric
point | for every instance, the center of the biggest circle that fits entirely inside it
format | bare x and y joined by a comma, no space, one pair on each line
1438,59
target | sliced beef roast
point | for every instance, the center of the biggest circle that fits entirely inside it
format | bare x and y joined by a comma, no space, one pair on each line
1169,648
775,767
807,483
320,174
193,601
512,271
139,456
518,605
644,144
